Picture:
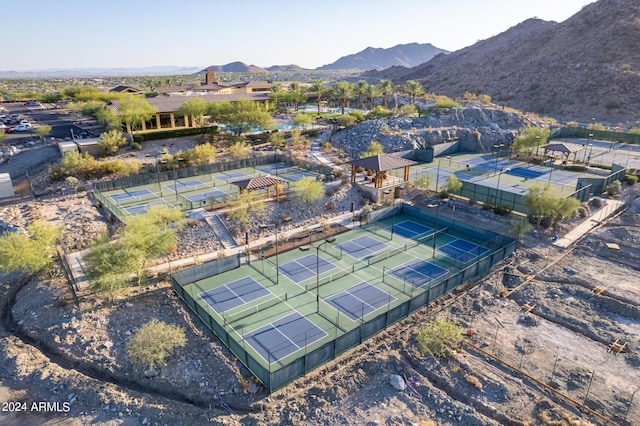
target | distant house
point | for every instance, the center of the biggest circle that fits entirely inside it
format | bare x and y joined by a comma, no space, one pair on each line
125,89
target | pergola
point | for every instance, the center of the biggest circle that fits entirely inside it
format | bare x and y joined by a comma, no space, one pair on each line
565,149
257,183
380,165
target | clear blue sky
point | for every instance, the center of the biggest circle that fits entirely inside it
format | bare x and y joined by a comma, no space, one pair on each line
133,33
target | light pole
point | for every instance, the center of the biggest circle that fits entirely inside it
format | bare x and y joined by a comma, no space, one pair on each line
590,152
175,175
438,176
435,233
327,240
495,203
497,156
277,266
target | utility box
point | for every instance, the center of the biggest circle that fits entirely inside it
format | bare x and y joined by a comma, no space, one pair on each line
6,186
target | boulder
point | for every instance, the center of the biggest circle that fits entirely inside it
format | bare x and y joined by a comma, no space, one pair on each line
397,382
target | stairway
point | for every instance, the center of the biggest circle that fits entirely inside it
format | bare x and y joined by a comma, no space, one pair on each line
220,230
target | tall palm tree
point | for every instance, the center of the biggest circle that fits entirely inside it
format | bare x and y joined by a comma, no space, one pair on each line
372,92
297,94
318,88
360,87
343,91
276,93
413,89
386,87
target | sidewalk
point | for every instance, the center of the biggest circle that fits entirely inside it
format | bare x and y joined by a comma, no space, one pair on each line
590,223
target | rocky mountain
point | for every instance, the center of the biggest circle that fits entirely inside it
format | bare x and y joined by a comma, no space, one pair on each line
285,68
405,55
236,67
587,66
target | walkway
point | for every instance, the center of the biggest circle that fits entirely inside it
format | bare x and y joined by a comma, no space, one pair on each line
585,227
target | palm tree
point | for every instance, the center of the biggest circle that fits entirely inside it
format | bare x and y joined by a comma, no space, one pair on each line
343,91
297,95
386,87
360,87
413,89
318,88
276,93
372,92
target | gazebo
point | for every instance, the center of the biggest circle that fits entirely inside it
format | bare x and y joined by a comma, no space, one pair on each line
378,166
257,183
566,149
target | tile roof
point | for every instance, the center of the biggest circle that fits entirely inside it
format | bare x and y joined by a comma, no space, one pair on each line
563,147
382,162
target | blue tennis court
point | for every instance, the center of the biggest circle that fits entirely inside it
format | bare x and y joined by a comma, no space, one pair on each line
360,300
272,168
283,337
297,176
143,209
184,184
234,294
462,250
526,173
418,272
304,268
198,198
131,195
362,247
236,175
409,229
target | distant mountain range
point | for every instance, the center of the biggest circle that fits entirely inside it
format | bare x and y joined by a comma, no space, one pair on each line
587,66
405,55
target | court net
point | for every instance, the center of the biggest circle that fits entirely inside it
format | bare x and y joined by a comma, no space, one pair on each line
233,317
132,200
402,285
393,252
327,279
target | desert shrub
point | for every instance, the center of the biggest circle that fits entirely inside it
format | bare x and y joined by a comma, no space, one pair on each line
583,212
154,342
519,227
613,188
447,103
596,202
631,179
330,191
487,206
502,211
136,145
546,221
439,337
366,209
331,206
576,168
81,188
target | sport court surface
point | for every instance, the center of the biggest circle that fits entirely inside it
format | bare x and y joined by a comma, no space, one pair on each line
277,317
194,192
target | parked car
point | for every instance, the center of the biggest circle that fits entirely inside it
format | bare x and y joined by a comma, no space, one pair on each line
8,130
25,123
21,128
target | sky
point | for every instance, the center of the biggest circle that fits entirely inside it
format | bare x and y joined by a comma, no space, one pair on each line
51,34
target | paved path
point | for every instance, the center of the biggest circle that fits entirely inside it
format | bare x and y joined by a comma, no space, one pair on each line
585,227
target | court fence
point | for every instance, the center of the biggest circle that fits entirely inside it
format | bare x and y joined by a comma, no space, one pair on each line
592,134
345,338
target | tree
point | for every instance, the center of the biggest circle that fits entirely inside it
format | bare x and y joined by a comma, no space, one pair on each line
109,119
375,148
248,206
241,116
371,92
302,120
154,342
345,120
318,89
546,207
194,108
422,182
596,126
343,91
135,110
530,140
203,154
276,93
74,164
297,95
413,89
439,338
3,136
239,150
453,184
308,189
73,183
386,87
31,252
518,228
111,141
360,89
276,139
43,131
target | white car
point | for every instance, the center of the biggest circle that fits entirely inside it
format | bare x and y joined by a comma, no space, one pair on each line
21,128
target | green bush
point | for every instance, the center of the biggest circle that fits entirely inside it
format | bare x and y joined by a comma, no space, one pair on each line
154,342
596,202
502,211
166,134
631,179
487,206
614,188
439,337
447,103
136,145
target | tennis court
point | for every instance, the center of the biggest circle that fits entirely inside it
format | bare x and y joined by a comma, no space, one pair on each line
207,196
186,185
284,337
360,300
141,209
132,196
233,295
362,247
289,313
